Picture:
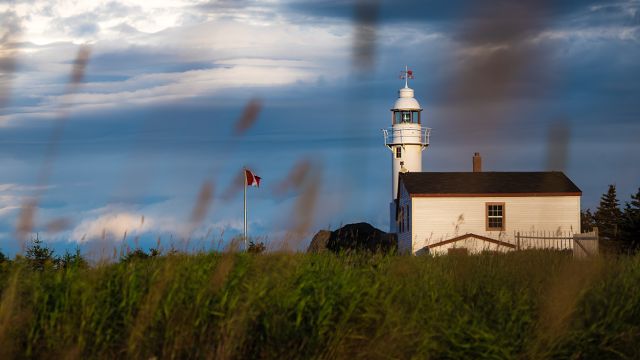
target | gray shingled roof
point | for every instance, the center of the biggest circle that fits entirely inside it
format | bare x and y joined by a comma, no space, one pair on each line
487,182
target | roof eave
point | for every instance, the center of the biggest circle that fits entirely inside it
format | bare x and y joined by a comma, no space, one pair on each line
529,194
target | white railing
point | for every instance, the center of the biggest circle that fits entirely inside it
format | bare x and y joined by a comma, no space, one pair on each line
394,136
582,245
544,240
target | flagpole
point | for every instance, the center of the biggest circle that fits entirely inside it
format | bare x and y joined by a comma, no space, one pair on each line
245,209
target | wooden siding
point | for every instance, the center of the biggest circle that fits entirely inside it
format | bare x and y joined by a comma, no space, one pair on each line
404,238
472,244
439,218
474,236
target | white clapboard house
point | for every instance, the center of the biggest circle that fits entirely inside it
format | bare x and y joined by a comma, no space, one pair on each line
470,212
480,211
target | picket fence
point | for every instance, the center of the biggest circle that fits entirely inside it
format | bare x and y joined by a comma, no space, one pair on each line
582,245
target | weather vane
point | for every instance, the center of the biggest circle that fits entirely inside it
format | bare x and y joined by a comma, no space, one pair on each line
406,74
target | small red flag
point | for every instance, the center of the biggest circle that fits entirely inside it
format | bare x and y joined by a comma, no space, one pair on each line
252,179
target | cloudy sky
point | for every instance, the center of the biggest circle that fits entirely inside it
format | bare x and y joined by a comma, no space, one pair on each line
124,149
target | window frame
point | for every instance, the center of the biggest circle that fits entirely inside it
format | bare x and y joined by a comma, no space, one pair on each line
398,152
415,117
503,217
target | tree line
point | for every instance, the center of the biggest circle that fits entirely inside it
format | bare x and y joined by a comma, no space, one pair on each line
618,228
39,256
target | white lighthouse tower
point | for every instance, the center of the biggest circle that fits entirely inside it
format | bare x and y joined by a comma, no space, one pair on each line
406,138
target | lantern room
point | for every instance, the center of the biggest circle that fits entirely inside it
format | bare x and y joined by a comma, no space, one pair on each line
406,109
406,117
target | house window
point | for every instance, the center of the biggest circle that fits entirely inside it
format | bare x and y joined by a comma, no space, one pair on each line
495,217
398,152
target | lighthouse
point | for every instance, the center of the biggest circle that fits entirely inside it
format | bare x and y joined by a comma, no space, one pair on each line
406,138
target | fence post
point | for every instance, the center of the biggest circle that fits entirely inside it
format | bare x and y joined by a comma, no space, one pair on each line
518,240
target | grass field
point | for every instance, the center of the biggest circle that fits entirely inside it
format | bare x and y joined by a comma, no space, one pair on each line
520,305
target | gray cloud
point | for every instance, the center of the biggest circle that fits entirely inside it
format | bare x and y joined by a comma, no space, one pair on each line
80,25
432,10
12,26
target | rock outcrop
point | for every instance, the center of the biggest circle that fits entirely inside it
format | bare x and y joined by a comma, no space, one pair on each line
354,237
319,242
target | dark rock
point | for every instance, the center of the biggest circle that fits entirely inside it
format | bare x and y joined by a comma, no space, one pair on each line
319,242
354,237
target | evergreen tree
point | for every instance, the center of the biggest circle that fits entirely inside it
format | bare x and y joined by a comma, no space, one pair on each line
72,260
135,255
608,215
39,254
587,220
630,227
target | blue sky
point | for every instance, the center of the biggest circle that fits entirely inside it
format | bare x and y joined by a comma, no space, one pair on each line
166,82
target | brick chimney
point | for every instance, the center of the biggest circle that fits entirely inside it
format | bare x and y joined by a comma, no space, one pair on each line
477,162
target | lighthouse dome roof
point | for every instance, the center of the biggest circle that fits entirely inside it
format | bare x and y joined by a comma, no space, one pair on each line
406,101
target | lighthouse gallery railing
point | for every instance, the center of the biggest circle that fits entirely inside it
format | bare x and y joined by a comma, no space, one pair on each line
406,136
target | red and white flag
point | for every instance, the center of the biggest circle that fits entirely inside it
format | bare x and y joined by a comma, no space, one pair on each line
252,179
406,74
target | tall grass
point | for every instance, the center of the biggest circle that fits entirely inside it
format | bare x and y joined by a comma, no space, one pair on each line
520,305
